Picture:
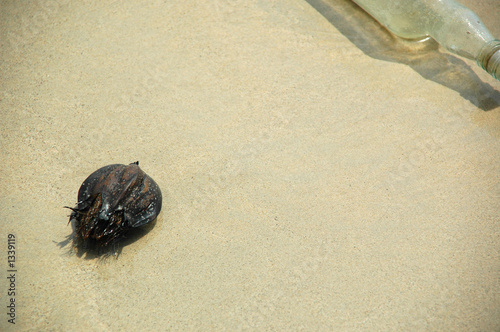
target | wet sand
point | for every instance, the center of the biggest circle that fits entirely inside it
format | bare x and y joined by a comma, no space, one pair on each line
309,182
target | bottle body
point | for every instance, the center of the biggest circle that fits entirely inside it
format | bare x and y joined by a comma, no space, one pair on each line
452,25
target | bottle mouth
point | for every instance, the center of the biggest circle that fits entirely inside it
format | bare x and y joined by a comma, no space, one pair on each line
489,58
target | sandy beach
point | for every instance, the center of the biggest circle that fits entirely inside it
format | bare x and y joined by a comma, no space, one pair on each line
317,174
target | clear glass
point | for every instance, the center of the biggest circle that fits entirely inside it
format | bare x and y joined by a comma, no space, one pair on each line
454,26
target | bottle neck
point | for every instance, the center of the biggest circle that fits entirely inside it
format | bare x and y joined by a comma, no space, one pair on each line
489,58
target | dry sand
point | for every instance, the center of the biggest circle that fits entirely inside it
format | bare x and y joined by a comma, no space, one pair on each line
311,180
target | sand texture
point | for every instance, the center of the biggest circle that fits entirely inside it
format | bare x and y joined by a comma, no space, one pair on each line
317,174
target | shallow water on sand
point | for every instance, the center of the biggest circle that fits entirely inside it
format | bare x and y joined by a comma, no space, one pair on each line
307,183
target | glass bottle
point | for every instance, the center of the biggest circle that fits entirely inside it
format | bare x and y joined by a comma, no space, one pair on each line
454,26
